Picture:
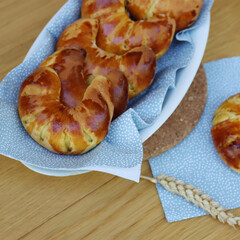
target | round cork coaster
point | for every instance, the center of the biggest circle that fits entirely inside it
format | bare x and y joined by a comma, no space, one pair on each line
182,121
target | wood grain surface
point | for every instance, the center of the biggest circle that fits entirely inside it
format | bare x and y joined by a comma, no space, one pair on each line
94,205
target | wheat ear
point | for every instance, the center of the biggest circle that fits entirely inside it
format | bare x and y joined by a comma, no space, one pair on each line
193,195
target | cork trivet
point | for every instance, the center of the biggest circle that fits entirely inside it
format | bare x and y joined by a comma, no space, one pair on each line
182,121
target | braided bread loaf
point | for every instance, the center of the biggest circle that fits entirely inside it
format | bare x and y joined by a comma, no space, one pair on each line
226,132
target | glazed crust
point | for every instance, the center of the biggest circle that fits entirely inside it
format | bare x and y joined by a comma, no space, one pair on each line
226,132
67,104
60,110
138,65
185,12
118,33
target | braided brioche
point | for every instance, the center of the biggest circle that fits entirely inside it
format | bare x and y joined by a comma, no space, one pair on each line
138,64
118,33
226,132
184,12
59,110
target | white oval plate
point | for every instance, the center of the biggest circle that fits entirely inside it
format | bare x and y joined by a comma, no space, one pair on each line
184,78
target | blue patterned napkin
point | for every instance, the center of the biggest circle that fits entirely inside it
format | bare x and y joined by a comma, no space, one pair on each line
121,152
195,160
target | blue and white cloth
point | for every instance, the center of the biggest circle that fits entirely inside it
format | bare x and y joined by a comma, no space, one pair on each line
195,160
121,152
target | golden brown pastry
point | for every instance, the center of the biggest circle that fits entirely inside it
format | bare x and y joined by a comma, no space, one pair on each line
118,33
185,12
60,110
226,132
138,65
67,104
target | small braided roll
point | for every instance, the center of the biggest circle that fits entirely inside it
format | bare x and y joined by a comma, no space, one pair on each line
138,65
226,132
118,33
185,12
60,110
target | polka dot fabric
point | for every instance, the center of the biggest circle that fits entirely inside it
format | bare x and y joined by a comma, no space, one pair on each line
122,148
195,160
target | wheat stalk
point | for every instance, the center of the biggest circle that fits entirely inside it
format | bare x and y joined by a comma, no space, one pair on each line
195,196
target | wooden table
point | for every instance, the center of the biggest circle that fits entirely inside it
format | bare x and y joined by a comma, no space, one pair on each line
93,205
